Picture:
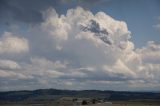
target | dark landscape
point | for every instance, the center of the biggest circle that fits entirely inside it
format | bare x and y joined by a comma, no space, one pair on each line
50,96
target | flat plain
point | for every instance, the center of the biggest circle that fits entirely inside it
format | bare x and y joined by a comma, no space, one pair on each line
122,103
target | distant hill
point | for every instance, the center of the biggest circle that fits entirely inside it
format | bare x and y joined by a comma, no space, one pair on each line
46,95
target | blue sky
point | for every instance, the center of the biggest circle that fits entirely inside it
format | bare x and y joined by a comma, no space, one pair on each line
80,44
140,15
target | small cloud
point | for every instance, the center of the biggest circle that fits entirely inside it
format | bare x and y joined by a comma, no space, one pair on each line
9,65
9,43
157,26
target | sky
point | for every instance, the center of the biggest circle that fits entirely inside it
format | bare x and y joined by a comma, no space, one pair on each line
80,45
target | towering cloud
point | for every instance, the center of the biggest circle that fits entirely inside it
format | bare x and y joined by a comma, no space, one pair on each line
78,49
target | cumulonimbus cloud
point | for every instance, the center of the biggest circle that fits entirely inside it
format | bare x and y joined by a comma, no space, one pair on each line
86,48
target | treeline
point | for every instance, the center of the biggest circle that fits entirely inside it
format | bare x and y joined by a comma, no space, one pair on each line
45,95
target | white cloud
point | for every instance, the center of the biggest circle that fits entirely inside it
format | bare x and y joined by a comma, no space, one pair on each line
150,53
9,64
13,75
52,73
103,43
81,49
9,43
157,26
45,63
119,68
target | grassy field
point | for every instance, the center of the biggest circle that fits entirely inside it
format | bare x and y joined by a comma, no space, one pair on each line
129,104
124,105
22,105
117,103
102,104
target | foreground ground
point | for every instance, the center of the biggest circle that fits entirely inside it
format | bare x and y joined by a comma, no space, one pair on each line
127,104
122,103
